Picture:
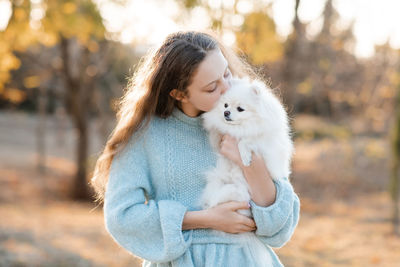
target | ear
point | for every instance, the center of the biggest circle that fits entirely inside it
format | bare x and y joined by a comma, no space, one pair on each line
257,87
256,90
178,95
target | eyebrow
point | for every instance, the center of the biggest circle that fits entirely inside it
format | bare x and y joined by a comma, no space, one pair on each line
227,66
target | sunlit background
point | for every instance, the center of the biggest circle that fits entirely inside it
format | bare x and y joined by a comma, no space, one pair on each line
334,63
375,22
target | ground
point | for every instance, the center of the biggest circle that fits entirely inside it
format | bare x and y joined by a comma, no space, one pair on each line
341,181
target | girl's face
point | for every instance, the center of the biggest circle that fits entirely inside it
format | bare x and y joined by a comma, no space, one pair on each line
211,79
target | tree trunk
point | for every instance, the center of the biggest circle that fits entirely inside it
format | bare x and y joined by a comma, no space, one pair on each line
293,51
80,189
41,131
394,181
394,188
76,105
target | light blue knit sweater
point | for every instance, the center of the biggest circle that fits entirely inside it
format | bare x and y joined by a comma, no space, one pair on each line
158,177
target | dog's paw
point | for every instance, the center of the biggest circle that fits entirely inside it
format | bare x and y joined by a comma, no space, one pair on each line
245,154
246,161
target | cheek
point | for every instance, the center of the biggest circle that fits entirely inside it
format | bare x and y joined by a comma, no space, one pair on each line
211,101
204,102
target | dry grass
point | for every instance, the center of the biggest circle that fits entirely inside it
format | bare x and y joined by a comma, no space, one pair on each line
40,227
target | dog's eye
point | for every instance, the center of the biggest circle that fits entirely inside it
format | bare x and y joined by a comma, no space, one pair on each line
240,109
226,105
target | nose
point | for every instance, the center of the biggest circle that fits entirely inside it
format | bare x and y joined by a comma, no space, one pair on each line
227,113
225,85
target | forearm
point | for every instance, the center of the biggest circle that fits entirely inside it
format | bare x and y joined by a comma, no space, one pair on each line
262,188
195,220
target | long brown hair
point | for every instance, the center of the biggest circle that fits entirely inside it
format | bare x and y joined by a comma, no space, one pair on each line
169,67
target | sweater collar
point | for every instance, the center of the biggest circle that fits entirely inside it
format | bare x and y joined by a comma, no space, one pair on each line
177,113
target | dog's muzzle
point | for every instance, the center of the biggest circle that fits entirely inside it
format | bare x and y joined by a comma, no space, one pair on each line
226,115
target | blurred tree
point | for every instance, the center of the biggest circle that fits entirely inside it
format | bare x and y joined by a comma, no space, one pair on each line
295,47
395,162
16,37
257,38
75,29
77,26
245,23
217,12
223,16
377,95
317,72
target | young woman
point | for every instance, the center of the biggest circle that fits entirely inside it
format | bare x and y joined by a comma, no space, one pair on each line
150,174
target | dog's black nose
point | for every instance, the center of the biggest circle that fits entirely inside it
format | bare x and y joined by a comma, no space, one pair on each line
227,113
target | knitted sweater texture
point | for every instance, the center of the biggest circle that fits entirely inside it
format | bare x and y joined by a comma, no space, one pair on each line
158,177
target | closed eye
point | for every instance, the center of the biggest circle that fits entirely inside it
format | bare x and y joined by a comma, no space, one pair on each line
212,90
240,109
227,73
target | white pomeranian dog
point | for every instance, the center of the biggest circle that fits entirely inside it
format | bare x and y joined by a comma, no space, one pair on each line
250,112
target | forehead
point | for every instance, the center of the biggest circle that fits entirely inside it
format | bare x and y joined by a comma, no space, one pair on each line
233,96
210,69
237,93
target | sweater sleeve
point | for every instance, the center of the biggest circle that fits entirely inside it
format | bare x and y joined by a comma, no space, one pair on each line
151,230
276,223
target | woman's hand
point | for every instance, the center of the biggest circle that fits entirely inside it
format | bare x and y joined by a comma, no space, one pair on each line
228,147
224,217
262,189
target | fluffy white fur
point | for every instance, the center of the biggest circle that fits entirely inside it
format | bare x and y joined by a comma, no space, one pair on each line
250,112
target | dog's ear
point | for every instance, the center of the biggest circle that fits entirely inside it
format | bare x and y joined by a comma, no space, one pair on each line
255,90
257,87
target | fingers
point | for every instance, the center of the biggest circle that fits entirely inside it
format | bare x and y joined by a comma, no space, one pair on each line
240,228
245,228
237,205
221,140
249,222
224,138
227,138
241,223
